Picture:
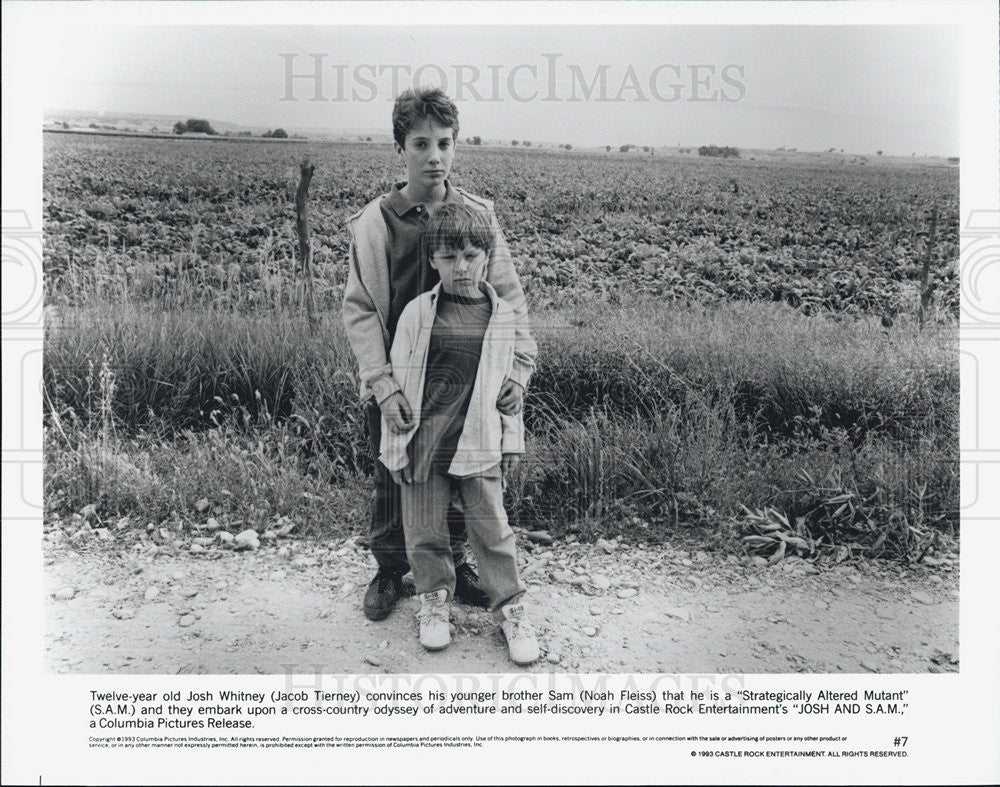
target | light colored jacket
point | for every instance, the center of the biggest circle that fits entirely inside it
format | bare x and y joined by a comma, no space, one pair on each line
487,433
367,297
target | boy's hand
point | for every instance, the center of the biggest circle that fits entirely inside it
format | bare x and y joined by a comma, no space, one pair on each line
397,413
511,398
402,477
508,463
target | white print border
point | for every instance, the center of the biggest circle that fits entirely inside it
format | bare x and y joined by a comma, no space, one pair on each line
40,705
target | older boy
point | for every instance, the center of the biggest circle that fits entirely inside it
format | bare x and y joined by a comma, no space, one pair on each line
387,269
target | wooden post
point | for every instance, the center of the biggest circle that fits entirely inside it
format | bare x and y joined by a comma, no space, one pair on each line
926,285
302,228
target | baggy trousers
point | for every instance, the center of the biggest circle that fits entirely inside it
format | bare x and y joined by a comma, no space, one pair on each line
427,535
385,532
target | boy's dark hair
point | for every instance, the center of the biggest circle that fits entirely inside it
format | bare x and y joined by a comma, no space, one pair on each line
414,107
454,226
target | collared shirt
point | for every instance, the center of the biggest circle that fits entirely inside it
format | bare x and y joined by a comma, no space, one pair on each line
410,274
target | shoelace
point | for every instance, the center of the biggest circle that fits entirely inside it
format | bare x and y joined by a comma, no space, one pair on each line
432,613
384,583
520,628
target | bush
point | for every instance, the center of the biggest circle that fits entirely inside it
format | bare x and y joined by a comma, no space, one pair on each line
712,150
195,126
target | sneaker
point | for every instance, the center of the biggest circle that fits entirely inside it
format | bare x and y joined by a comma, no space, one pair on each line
435,628
520,635
467,587
382,593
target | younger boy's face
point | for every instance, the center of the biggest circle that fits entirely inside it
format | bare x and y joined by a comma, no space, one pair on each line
462,271
428,152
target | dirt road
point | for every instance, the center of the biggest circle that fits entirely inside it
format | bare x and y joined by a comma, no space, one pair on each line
296,606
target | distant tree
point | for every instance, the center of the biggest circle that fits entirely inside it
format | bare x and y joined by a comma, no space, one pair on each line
878,152
155,130
953,159
279,133
368,139
200,126
180,127
568,146
477,140
718,152
527,143
645,148
607,148
514,142
625,148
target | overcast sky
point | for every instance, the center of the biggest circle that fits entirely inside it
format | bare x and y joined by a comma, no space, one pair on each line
858,88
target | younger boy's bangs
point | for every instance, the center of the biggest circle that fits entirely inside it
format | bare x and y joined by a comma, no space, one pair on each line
455,226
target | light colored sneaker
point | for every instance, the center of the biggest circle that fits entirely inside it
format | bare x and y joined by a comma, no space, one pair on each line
520,635
435,628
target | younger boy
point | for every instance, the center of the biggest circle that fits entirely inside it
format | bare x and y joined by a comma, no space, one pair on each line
452,353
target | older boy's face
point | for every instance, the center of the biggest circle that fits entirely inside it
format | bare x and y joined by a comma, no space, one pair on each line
428,152
462,270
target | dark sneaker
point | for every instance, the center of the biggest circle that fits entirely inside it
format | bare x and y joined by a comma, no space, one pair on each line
467,587
382,594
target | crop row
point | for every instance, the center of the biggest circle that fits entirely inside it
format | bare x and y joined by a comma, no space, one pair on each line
818,236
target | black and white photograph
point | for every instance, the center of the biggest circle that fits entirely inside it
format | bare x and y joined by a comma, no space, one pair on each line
453,349
716,425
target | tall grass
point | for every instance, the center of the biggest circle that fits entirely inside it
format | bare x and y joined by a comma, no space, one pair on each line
642,419
780,371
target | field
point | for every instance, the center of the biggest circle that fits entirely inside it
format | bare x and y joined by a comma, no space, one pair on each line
727,348
818,235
